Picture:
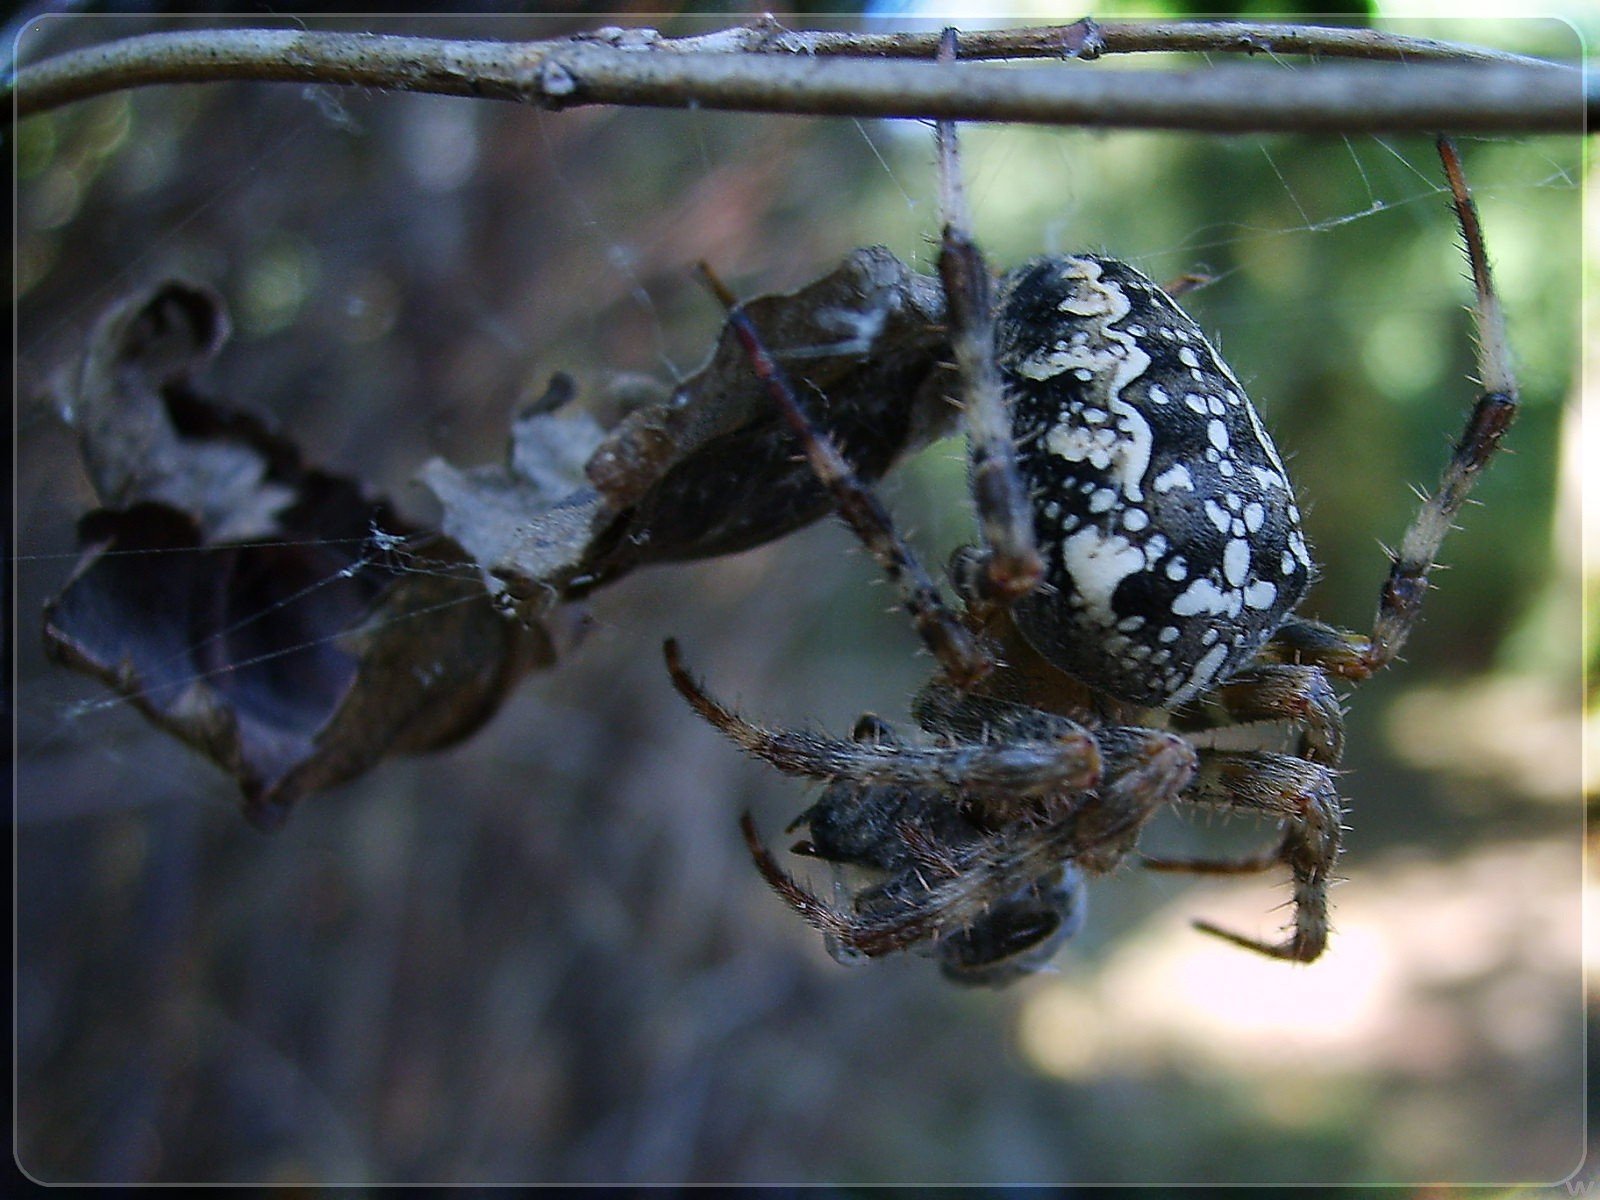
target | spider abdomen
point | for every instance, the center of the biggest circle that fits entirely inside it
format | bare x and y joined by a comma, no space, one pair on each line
1168,528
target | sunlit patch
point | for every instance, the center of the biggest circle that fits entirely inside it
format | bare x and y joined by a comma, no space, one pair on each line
1525,734
1434,967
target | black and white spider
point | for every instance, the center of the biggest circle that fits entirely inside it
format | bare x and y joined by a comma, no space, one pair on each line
1140,563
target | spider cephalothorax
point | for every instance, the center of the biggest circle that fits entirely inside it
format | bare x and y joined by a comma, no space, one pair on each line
1141,559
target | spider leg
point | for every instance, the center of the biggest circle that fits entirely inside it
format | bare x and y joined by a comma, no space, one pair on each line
1008,567
1215,866
951,714
933,858
1297,694
1491,415
958,653
1300,793
817,912
1145,769
1069,761
1356,657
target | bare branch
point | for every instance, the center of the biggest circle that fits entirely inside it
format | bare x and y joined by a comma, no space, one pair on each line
763,68
1089,39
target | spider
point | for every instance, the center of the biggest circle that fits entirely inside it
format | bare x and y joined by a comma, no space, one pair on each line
1140,562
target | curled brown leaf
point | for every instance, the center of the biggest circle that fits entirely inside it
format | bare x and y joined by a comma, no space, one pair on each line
273,616
296,631
710,467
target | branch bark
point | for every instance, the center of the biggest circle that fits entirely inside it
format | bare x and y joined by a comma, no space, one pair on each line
762,68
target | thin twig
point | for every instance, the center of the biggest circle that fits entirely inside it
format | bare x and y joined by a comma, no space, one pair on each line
1089,39
763,69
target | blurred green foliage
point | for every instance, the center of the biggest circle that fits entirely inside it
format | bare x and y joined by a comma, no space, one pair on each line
1266,10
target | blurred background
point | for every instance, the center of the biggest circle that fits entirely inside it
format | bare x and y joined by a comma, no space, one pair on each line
544,955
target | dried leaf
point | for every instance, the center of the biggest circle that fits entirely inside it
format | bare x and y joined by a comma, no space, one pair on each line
536,511
274,617
296,632
712,468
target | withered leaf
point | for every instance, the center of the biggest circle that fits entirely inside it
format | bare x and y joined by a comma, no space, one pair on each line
294,630
272,616
712,468
528,523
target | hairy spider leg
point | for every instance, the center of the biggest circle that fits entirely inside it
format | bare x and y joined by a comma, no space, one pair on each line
1299,696
1067,762
1297,788
1146,769
1009,566
1300,793
1358,657
1288,679
957,651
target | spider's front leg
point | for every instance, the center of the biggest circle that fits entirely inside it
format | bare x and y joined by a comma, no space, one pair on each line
1300,793
1357,656
1065,759
1008,566
963,660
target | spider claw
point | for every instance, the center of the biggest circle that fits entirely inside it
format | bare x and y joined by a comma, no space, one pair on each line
1294,950
815,911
